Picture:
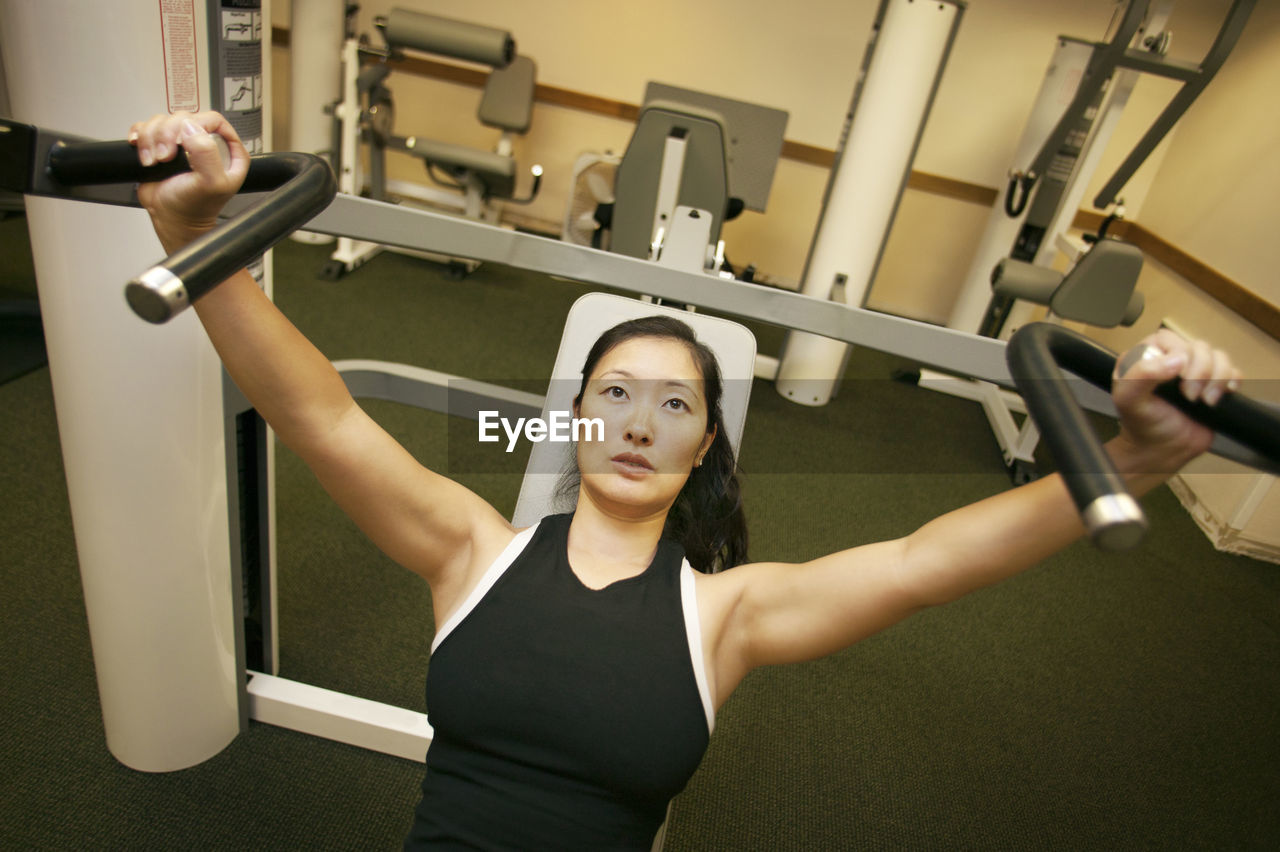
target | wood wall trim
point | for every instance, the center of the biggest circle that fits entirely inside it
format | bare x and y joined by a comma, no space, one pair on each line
804,153
952,188
586,103
436,70
1247,304
798,151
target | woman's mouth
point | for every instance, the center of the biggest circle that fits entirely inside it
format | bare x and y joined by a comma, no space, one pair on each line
632,463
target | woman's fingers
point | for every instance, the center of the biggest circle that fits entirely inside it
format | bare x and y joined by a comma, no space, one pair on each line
1205,373
1199,370
158,138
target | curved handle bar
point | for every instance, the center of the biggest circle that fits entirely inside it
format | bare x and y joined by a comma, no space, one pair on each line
1018,193
1038,352
300,186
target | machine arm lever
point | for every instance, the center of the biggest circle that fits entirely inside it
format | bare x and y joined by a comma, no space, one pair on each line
1037,355
298,187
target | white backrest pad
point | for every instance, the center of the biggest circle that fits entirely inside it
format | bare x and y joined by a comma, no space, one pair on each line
592,315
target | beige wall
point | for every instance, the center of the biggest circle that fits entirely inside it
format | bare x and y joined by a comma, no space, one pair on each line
1216,196
1210,190
802,57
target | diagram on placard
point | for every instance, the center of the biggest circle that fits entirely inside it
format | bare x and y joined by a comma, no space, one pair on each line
242,93
241,26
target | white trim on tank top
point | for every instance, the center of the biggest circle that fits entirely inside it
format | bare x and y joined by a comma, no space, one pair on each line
693,630
491,575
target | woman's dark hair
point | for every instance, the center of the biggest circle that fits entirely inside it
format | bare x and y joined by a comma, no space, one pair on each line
707,517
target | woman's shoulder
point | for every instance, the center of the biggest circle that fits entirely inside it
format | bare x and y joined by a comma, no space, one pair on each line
494,533
726,587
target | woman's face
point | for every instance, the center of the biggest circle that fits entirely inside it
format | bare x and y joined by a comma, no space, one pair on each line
649,394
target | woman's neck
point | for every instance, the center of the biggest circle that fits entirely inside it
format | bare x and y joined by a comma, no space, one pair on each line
605,547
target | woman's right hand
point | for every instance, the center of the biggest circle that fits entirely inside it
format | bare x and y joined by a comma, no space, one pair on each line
187,205
1152,429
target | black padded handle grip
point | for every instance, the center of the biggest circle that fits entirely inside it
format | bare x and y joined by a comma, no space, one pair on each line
299,187
96,163
1037,355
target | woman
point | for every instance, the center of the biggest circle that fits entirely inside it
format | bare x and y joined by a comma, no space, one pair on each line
578,664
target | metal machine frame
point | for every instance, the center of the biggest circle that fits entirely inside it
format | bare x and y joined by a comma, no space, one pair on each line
405,733
356,721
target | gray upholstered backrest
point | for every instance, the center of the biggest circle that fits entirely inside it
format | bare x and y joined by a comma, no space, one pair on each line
1099,288
507,103
704,180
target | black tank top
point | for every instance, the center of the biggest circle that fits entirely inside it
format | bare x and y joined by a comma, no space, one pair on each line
564,717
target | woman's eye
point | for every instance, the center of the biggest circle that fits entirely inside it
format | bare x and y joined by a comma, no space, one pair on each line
677,403
614,392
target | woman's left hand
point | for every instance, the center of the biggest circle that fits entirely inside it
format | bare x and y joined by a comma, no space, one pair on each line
1151,425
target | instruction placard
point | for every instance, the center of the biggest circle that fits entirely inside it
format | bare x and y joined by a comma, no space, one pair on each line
181,62
237,86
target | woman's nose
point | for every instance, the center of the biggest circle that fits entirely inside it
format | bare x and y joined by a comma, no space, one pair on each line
639,430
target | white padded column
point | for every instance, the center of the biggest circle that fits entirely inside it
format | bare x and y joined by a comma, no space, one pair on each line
139,407
862,196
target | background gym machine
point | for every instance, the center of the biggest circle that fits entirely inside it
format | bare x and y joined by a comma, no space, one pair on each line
476,182
691,150
1083,95
1081,99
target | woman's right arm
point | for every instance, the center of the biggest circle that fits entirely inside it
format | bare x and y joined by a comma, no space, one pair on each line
422,520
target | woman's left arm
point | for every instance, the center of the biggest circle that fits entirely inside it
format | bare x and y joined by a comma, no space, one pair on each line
775,613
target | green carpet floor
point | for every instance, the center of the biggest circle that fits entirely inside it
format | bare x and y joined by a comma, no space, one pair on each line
1095,702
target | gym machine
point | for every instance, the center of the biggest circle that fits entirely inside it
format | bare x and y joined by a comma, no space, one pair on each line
1062,145
299,187
171,648
1038,352
1012,268
476,182
1248,431
694,161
